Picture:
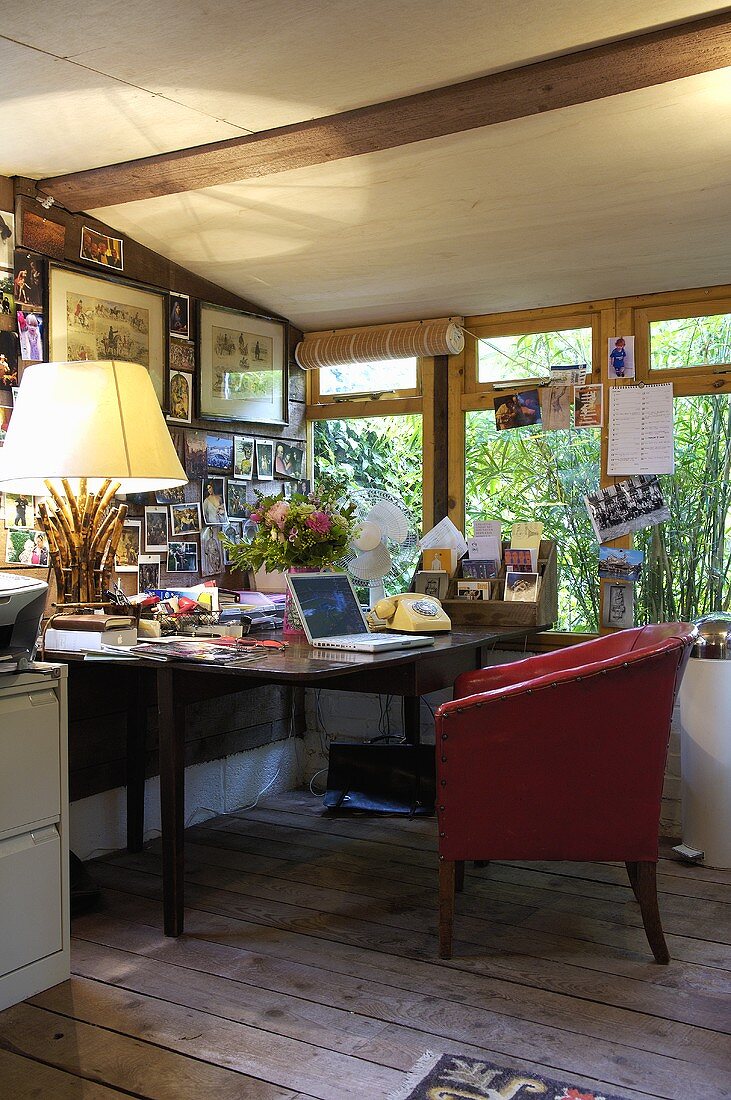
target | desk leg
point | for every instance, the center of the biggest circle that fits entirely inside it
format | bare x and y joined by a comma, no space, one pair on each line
412,719
136,746
172,799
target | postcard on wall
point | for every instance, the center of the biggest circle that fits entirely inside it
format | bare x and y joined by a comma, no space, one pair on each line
30,332
9,349
522,587
556,407
24,546
7,239
243,457
7,300
28,281
618,564
517,410
618,605
185,519
588,406
626,506
195,459
621,356
182,355
214,500
43,235
237,506
18,511
98,248
128,550
5,414
568,374
220,453
182,557
175,495
265,459
211,552
181,397
157,531
179,315
148,572
289,459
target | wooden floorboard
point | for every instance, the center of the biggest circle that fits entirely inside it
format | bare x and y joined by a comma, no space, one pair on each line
309,971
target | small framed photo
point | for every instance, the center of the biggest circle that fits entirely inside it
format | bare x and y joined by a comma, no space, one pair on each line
97,248
237,506
289,459
265,459
185,519
182,557
213,493
220,453
157,529
148,572
128,551
179,315
243,457
181,397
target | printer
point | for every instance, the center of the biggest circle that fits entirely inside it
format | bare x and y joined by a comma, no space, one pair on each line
22,603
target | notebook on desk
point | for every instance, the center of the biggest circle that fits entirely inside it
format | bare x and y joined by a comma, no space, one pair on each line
332,617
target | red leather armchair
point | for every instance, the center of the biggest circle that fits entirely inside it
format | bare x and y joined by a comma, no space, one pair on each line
561,757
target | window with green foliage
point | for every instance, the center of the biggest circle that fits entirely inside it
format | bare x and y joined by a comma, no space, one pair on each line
682,342
531,355
377,453
687,570
371,378
530,474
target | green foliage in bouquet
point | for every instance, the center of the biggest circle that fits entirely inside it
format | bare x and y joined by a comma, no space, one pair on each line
311,530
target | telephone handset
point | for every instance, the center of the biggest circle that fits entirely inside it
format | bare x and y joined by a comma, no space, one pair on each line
413,613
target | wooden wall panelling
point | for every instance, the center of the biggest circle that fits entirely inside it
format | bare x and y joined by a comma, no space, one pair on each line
7,199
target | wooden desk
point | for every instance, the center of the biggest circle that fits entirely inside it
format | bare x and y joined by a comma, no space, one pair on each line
408,673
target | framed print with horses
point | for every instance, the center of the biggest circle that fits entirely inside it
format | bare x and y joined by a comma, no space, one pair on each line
92,318
243,366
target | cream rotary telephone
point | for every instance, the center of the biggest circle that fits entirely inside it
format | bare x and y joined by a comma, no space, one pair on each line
413,613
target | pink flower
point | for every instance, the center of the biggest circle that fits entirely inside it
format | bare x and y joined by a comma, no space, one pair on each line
319,522
256,517
278,512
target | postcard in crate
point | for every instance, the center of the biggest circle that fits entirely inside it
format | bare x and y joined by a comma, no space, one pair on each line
440,558
476,569
474,590
522,587
432,582
521,561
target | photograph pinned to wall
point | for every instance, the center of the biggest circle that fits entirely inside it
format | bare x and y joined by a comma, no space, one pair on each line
100,318
243,457
181,397
30,331
182,355
232,532
220,453
174,495
214,500
626,506
211,552
179,315
148,572
556,407
130,544
616,563
618,605
9,351
157,531
287,488
6,411
185,519
43,235
621,356
182,557
522,587
569,374
517,410
24,546
243,373
265,459
195,458
18,511
7,239
98,248
28,280
7,300
289,459
588,406
237,506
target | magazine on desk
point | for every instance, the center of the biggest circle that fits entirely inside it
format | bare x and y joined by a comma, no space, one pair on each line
204,652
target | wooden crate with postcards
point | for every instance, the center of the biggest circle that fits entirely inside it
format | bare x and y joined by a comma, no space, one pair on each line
522,607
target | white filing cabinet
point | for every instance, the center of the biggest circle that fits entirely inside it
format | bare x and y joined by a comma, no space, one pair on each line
34,860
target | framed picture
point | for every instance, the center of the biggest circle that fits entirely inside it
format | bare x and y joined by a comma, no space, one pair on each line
183,557
289,460
243,457
181,397
128,550
185,519
179,315
148,572
243,366
98,248
214,500
157,531
265,459
92,318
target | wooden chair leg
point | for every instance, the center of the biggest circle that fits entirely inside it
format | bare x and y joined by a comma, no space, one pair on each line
446,907
459,875
632,876
647,897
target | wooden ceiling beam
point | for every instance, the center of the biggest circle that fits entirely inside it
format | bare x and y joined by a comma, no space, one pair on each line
612,69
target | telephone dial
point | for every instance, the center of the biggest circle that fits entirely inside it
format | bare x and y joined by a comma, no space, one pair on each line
413,613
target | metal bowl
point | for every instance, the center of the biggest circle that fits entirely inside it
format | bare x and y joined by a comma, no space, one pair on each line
714,637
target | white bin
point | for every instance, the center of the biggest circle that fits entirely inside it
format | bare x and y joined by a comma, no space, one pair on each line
705,759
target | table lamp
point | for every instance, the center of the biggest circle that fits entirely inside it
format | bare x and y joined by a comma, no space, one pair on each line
81,433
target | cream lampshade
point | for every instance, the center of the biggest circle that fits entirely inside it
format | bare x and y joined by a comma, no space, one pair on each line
80,433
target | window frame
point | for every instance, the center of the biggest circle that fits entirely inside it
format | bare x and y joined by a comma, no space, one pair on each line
317,399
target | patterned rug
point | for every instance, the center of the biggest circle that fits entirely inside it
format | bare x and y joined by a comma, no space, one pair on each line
462,1078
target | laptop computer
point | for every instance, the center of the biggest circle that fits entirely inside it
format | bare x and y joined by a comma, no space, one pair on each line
332,617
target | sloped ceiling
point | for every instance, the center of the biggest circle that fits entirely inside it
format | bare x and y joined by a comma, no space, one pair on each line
624,195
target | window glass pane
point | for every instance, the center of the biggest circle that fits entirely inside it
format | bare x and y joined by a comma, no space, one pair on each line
378,453
531,474
381,377
690,342
503,358
687,570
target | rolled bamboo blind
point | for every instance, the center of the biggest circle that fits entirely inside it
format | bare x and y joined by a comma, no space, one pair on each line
441,336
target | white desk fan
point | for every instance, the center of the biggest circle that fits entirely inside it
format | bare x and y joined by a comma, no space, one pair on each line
386,541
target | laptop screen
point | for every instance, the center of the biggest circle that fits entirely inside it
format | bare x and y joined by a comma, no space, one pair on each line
328,603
